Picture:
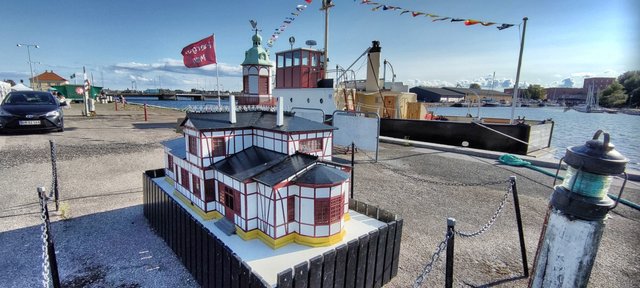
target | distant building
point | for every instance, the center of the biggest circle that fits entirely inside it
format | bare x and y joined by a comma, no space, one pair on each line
472,95
598,83
430,94
566,95
46,80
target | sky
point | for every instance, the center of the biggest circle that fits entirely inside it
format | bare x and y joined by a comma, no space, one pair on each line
136,44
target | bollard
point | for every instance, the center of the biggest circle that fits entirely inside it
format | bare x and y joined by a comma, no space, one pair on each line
353,166
116,102
448,278
576,217
145,112
516,205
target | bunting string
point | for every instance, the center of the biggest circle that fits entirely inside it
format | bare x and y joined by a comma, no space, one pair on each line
434,18
286,22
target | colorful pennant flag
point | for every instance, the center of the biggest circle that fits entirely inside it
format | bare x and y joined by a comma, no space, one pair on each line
467,22
287,21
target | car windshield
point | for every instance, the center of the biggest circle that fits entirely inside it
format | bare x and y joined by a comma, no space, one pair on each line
28,98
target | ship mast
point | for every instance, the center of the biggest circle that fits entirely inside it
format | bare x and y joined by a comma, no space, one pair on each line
515,90
326,5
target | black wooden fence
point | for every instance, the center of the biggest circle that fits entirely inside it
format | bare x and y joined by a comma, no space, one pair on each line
369,261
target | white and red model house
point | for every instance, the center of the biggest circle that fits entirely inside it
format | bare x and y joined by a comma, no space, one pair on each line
269,174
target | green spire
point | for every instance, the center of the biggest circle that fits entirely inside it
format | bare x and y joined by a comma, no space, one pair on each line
256,55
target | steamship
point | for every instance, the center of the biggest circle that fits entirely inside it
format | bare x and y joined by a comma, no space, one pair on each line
301,79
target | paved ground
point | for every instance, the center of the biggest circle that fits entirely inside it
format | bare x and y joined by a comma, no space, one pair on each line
104,241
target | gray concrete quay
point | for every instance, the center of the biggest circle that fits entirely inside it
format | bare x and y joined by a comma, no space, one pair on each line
103,240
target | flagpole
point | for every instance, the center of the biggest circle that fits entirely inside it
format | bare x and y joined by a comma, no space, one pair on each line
217,74
85,95
515,90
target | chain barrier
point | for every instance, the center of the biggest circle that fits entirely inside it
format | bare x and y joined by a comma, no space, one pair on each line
434,258
45,247
488,225
55,185
388,167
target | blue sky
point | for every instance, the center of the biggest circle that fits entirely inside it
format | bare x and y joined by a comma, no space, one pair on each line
124,41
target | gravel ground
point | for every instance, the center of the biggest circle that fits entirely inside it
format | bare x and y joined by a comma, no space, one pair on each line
103,240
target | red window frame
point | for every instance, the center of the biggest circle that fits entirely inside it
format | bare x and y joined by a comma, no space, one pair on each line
328,210
184,178
291,209
193,145
310,145
218,147
228,196
196,185
170,162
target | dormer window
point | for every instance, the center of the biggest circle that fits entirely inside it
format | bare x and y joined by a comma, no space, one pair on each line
310,145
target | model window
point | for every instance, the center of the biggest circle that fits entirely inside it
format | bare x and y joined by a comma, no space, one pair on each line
314,59
170,162
184,178
305,58
263,85
209,190
287,59
310,145
196,185
218,147
296,58
193,145
280,60
328,210
291,209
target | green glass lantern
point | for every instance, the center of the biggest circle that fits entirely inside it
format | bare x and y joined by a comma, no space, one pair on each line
592,166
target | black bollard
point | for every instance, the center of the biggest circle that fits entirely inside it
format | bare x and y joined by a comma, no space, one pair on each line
448,278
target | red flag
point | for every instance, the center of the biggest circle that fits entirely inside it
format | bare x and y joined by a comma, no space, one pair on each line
200,53
308,1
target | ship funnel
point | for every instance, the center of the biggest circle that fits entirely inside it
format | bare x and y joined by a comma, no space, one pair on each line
280,116
232,109
373,67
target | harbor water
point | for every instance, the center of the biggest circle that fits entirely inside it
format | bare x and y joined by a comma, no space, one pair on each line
571,127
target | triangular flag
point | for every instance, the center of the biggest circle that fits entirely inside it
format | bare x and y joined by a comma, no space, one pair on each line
470,22
456,20
308,1
433,15
504,26
405,11
488,23
376,8
416,13
441,19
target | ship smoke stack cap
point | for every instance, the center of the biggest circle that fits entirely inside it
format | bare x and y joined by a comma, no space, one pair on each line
232,109
280,112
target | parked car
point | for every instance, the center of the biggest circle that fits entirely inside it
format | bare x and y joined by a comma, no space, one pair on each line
31,111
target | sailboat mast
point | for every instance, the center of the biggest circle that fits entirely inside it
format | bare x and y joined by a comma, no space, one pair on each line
326,4
515,90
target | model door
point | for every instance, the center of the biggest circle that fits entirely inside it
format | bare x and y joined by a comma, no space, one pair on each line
228,199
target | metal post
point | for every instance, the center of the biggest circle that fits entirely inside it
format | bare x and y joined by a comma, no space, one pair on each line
54,169
51,252
116,102
145,112
353,166
516,204
448,278
515,90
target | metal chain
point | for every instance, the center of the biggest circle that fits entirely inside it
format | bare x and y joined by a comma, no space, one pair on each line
434,257
54,170
388,167
45,247
488,225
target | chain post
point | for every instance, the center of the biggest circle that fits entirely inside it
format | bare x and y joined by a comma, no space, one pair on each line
54,174
516,204
353,166
448,279
49,262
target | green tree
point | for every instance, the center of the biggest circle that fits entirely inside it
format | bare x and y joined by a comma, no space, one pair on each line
535,92
474,86
631,82
613,96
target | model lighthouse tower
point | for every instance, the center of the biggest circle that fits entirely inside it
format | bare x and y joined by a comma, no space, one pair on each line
256,74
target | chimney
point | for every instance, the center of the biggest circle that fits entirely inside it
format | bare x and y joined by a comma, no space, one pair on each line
373,68
280,111
232,109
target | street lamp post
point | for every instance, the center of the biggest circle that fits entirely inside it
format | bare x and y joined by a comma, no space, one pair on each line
29,55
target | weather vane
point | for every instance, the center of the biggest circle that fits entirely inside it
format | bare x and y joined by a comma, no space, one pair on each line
254,24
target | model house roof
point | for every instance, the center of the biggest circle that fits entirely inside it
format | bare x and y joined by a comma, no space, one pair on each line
264,165
177,147
249,162
259,119
322,175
